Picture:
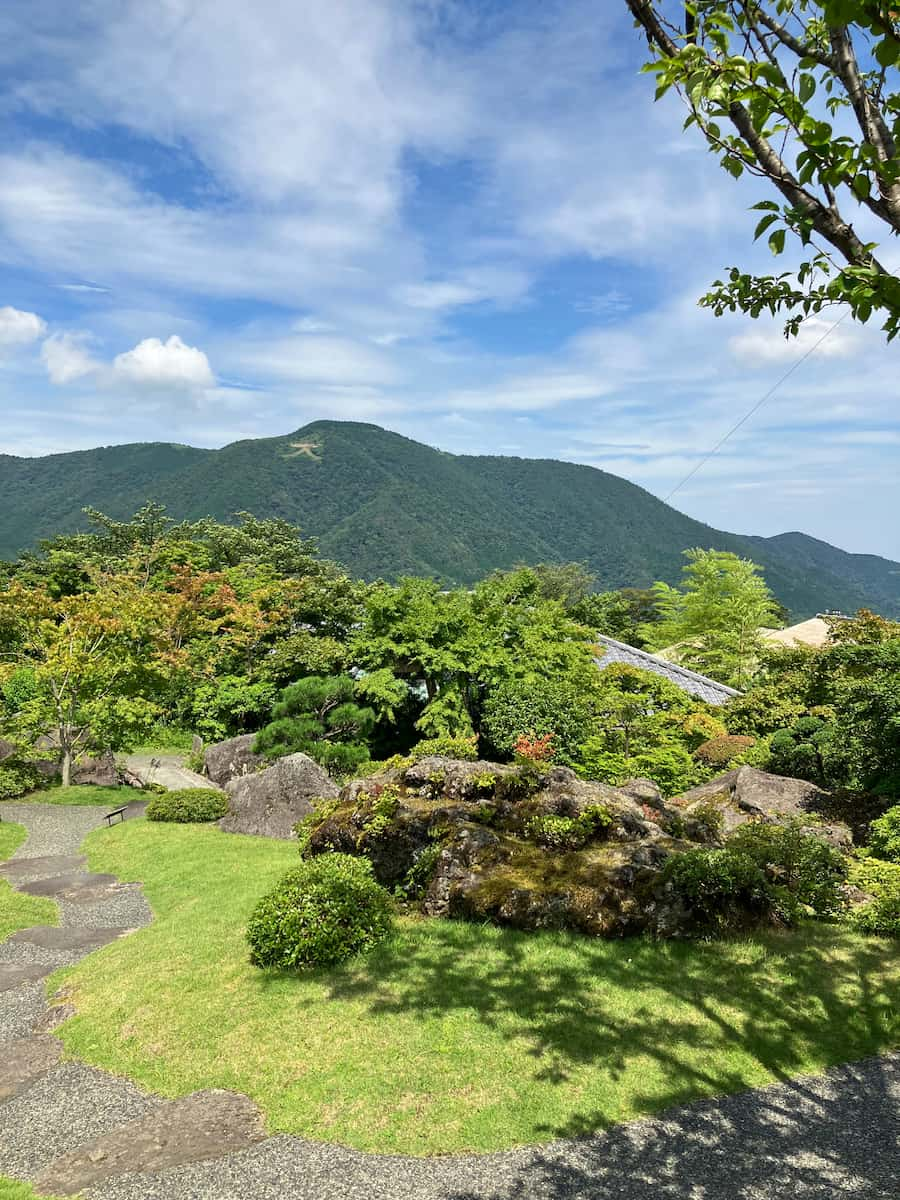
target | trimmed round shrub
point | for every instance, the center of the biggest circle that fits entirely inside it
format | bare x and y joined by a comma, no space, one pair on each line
766,874
884,835
324,911
188,805
882,880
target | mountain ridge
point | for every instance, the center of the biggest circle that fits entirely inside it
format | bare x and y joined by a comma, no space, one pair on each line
385,505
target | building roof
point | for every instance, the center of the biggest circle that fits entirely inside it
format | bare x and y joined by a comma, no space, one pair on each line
697,685
813,632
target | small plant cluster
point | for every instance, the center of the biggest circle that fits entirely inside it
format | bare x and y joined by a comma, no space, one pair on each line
765,874
569,833
465,749
384,800
882,913
420,874
324,911
884,835
18,779
532,748
188,805
306,826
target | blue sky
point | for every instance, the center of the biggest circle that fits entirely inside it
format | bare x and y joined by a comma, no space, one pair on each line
466,221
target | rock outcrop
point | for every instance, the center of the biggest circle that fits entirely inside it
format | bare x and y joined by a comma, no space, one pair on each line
270,803
232,759
99,769
745,794
537,850
541,849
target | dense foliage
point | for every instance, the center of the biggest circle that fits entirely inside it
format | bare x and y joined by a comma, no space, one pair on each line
324,911
318,716
188,806
765,873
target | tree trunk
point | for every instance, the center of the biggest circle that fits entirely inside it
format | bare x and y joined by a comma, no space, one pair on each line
66,767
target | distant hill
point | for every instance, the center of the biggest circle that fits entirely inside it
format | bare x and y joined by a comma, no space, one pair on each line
386,506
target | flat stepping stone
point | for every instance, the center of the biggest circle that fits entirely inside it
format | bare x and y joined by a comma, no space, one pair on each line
52,937
70,885
43,866
12,975
25,1060
66,1109
206,1125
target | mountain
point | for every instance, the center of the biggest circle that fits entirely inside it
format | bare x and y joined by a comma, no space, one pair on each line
386,506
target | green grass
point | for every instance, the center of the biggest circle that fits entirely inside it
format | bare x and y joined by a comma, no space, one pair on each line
452,1036
86,793
11,1189
18,911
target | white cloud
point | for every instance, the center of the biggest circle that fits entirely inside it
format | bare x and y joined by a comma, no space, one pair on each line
19,328
66,358
765,343
170,364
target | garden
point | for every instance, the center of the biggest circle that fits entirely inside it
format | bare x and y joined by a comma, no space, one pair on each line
505,896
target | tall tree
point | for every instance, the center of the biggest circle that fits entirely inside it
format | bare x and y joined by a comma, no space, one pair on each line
803,95
95,662
712,622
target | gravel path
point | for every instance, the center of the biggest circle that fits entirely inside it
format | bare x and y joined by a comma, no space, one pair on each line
831,1137
166,769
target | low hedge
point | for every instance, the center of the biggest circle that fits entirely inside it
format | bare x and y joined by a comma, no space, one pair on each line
188,805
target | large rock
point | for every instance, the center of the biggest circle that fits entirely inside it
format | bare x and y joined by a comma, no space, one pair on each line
746,794
99,769
231,759
462,839
271,802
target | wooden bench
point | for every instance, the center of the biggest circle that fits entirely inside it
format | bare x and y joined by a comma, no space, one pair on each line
117,812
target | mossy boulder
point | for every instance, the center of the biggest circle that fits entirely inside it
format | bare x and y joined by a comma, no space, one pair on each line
520,846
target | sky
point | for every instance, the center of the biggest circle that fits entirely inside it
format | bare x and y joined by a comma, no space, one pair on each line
464,220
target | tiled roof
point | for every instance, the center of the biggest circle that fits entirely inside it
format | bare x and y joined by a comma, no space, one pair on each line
689,681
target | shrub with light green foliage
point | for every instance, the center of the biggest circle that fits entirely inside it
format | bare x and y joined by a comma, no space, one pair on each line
882,881
568,833
721,890
464,749
884,835
18,779
326,910
188,805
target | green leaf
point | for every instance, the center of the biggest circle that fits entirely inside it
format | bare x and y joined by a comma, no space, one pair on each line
807,88
776,241
764,225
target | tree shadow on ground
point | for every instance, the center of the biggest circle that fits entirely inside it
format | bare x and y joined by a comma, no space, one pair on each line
812,1139
711,1019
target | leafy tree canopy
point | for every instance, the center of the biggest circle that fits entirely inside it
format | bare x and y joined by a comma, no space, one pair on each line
803,95
319,716
712,622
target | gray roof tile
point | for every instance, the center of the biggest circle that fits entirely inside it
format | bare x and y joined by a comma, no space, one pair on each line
689,681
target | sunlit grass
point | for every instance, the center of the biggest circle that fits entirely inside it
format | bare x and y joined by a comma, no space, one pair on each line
18,911
452,1036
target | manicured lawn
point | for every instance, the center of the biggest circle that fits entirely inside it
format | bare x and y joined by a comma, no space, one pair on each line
18,911
453,1036
87,793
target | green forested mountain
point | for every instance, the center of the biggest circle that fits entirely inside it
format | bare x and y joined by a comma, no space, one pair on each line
385,506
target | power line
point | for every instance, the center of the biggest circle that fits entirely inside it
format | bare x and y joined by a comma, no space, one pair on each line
756,407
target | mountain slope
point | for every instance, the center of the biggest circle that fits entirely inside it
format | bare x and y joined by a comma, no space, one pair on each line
385,506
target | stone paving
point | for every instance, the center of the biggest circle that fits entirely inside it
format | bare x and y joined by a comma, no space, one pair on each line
69,1128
